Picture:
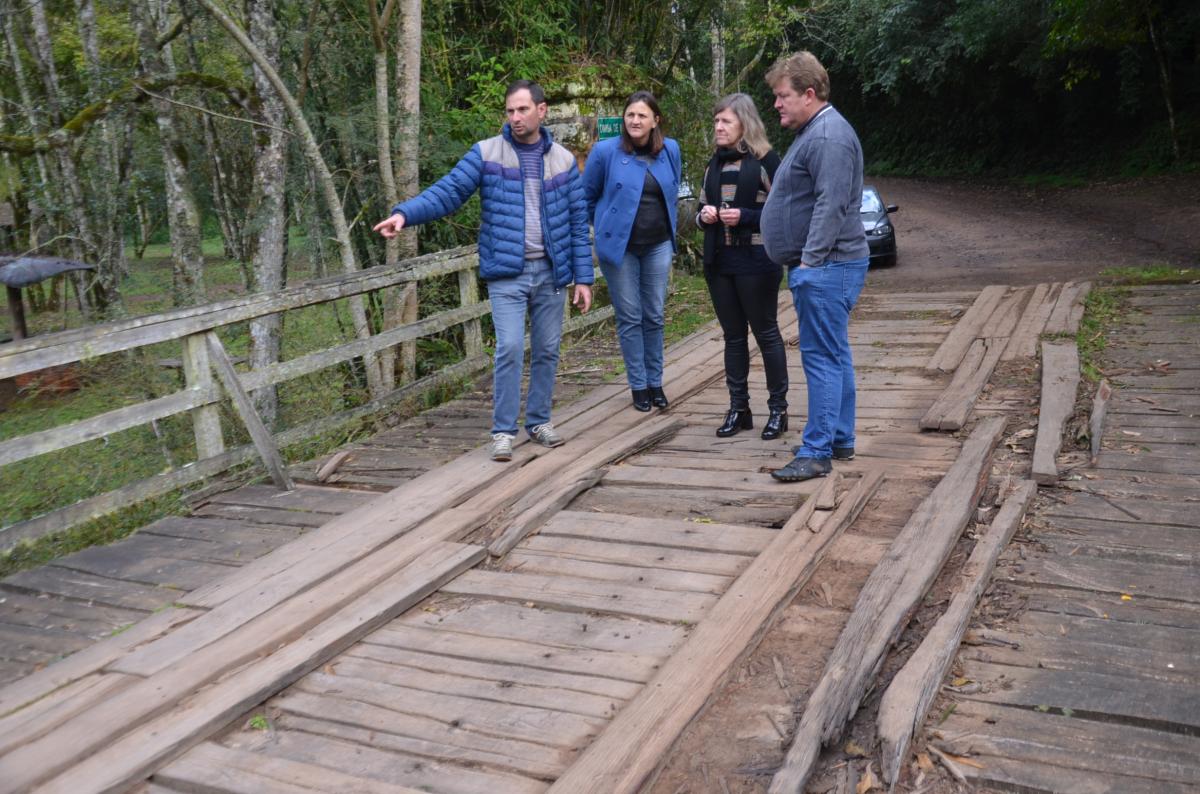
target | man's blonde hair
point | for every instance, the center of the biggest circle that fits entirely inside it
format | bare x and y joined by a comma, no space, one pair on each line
803,71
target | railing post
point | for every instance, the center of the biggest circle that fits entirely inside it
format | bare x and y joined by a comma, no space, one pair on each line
468,294
206,420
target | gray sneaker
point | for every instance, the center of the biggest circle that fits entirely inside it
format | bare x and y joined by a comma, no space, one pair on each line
546,435
502,446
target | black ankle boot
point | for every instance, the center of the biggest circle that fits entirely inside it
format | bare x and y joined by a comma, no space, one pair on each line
657,398
641,399
737,419
776,425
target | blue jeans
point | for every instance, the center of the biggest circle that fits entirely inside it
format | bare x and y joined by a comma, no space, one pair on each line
532,292
824,297
638,290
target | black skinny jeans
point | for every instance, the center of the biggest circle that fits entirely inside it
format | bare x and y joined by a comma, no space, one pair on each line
751,300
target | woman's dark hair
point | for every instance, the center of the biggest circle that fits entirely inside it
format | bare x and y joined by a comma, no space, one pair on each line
656,136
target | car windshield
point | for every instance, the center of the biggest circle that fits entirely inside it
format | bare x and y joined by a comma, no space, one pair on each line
871,202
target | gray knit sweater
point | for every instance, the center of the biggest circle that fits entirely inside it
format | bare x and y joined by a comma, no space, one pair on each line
812,212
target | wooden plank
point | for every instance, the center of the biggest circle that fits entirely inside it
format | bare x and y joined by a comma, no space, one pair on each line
642,556
624,757
528,513
1123,624
1183,461
42,611
439,681
423,737
148,560
956,343
617,665
1004,319
1096,423
1134,542
202,387
36,720
1060,379
953,406
1113,698
555,728
1102,507
417,772
263,441
692,478
911,692
89,588
1020,649
549,627
152,722
684,535
212,767
554,564
885,602
1068,309
39,685
1024,340
495,672
989,732
1118,577
584,595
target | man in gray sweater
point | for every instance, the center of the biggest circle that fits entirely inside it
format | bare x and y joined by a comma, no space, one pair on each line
811,224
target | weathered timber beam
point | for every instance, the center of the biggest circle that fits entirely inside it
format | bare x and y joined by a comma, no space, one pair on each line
1060,379
263,441
910,694
948,355
885,603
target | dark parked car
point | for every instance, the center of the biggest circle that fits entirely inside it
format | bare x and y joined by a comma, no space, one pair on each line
881,234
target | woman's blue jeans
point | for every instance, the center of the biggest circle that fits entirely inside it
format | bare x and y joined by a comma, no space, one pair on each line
823,297
638,290
533,293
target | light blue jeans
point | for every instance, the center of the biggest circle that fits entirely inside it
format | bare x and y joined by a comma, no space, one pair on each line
823,297
638,289
533,293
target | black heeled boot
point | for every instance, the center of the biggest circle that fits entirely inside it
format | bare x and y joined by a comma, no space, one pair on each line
641,399
657,398
737,419
776,425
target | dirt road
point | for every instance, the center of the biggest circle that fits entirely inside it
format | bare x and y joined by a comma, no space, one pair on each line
955,235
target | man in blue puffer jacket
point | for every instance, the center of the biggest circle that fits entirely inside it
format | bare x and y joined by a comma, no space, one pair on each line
533,242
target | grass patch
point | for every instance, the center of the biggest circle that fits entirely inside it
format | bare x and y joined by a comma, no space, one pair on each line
1152,274
1104,307
688,306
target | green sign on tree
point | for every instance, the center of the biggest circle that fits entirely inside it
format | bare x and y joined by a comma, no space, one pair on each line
609,126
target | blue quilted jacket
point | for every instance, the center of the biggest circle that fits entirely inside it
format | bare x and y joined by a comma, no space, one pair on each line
493,168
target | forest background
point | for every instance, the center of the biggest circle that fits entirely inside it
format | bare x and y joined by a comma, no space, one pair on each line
190,149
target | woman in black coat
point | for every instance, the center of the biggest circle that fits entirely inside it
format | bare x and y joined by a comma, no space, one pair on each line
743,282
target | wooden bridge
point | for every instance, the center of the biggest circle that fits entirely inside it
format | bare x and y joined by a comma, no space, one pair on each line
594,618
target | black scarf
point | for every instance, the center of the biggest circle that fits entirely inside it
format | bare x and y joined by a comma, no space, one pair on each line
748,184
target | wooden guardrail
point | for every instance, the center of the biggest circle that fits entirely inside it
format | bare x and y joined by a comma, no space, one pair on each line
203,355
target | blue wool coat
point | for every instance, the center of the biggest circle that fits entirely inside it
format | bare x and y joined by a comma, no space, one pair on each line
612,182
493,168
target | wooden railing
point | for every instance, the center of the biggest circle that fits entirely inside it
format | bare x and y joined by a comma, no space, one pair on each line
204,356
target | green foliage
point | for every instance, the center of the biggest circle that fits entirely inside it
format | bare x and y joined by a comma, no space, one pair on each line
1102,309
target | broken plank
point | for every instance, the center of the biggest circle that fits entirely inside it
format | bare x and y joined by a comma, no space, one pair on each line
557,564
684,535
957,342
886,601
1024,340
953,406
1060,379
911,692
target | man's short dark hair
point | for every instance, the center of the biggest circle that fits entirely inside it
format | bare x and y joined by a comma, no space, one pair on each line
535,91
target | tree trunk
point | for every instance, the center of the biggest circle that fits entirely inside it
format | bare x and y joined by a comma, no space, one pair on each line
324,180
408,150
108,190
183,216
383,146
1164,80
268,207
718,58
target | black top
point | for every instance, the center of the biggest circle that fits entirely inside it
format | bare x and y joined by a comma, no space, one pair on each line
652,224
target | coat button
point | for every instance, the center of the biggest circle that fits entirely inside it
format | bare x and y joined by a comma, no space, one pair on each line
613,210
625,161
608,234
618,186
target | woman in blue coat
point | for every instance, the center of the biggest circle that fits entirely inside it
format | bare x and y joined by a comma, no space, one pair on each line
632,187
